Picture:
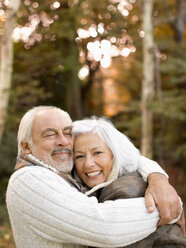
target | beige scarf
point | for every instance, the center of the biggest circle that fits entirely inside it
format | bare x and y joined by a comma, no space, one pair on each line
29,160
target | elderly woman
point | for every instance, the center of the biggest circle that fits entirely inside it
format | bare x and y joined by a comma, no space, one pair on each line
106,163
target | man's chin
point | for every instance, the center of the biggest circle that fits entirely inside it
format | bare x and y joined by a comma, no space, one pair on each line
62,165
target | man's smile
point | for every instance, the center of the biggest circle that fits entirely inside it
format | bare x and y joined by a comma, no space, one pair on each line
63,151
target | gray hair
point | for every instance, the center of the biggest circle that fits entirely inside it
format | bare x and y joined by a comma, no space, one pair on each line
125,154
26,124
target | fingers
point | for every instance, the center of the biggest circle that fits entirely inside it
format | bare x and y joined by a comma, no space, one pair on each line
165,216
181,223
161,194
169,214
175,212
149,202
164,211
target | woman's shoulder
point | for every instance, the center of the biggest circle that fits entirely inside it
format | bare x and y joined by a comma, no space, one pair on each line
130,185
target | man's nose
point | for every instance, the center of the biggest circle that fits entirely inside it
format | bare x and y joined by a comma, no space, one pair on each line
62,140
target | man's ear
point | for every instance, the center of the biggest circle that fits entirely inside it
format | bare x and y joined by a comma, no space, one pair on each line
26,148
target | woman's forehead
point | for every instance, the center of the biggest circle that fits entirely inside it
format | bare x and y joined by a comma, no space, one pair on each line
90,140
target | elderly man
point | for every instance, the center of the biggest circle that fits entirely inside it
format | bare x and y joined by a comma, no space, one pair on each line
45,207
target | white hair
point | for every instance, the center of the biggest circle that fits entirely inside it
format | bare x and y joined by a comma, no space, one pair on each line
125,154
25,127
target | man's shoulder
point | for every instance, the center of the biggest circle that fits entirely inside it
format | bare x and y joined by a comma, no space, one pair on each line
33,183
30,170
34,175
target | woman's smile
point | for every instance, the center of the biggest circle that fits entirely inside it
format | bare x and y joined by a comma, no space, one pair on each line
93,173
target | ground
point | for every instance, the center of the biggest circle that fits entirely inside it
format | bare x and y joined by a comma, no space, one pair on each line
6,238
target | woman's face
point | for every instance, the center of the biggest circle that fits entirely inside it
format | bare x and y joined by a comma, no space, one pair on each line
93,159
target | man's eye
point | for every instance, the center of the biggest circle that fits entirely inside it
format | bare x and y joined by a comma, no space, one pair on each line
50,134
67,134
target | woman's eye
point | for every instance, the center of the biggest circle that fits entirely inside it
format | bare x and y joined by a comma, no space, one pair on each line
97,152
79,156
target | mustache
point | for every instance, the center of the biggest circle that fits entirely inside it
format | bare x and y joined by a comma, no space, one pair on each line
65,150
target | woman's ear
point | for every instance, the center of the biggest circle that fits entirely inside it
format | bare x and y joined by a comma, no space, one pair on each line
26,148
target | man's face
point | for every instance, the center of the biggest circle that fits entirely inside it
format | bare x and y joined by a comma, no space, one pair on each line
52,141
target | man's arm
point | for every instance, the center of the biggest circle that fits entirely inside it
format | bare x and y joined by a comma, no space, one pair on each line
159,192
42,200
162,194
147,166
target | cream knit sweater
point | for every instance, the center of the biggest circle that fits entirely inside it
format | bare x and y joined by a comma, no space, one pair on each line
47,212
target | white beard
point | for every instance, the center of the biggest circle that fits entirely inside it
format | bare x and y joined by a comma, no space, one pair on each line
64,166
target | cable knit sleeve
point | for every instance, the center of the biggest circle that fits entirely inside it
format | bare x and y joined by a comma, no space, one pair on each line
147,166
41,200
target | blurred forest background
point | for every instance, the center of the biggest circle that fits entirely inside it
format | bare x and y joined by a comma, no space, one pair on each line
125,59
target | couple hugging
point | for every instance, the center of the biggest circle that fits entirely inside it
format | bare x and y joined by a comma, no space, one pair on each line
70,181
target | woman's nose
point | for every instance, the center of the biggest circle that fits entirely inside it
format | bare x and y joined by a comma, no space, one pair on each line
89,162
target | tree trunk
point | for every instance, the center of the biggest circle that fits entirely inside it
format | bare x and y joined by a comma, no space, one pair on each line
148,81
6,61
86,89
179,25
73,94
